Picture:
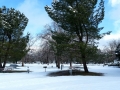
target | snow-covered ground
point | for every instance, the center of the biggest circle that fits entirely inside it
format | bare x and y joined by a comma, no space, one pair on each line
37,79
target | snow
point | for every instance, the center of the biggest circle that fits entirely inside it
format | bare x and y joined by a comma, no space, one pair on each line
38,79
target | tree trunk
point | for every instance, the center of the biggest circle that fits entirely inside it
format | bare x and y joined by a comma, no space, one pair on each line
23,62
1,68
16,62
0,64
56,60
4,63
58,64
84,64
71,63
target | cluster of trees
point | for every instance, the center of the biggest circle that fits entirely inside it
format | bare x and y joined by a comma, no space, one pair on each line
62,47
111,51
79,20
69,54
12,41
72,37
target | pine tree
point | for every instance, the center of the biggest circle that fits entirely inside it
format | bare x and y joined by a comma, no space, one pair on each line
61,42
80,17
12,42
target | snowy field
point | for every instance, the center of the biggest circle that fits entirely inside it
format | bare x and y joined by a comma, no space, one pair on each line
37,79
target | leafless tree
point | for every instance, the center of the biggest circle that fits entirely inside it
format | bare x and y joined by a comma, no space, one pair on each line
29,55
109,50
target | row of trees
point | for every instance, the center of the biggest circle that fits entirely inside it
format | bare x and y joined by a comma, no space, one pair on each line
62,45
71,38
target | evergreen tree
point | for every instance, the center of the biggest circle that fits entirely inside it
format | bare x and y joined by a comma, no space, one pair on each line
61,41
12,42
80,17
117,51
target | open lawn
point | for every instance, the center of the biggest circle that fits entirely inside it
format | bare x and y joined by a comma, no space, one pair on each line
38,79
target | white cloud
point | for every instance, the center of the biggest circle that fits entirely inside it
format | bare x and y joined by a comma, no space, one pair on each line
106,39
35,12
115,20
114,3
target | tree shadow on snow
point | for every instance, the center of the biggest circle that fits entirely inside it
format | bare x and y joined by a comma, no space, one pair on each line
74,73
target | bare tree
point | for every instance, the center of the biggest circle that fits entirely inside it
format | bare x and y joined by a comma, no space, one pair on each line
32,41
109,50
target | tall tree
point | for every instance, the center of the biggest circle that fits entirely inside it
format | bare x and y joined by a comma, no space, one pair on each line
57,40
12,41
61,42
80,17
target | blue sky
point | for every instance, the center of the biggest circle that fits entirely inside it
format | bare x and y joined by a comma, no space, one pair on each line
111,21
33,10
38,18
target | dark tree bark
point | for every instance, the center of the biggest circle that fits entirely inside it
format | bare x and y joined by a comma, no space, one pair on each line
84,64
0,64
58,62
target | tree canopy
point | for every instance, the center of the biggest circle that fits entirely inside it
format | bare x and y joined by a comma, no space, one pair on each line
80,17
12,41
